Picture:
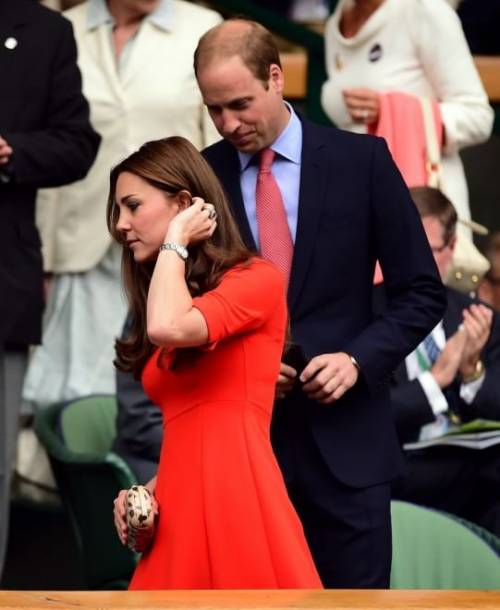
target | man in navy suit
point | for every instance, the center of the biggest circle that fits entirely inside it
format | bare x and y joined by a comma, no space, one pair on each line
346,206
453,376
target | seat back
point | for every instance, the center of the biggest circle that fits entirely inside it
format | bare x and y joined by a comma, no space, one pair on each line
434,551
78,437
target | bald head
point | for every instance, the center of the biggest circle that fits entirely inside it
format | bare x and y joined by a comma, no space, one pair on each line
248,40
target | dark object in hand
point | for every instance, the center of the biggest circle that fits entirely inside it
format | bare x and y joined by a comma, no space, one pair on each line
295,357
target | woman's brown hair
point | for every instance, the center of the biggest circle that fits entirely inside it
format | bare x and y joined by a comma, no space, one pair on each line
172,165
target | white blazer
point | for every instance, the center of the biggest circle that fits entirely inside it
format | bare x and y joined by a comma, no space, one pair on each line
156,96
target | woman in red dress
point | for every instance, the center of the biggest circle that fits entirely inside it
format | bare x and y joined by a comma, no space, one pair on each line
208,334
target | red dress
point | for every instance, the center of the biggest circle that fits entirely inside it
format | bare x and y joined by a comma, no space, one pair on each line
225,519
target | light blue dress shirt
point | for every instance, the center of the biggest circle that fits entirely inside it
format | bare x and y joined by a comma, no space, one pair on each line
285,169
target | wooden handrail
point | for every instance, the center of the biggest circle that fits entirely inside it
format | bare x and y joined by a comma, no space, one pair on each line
489,71
252,600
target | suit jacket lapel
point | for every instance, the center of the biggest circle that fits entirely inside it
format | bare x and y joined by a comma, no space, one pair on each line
313,180
101,47
144,47
229,174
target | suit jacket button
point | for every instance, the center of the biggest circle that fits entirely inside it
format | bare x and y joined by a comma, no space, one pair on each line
10,43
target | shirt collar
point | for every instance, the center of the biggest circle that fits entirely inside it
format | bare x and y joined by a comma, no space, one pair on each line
98,14
288,144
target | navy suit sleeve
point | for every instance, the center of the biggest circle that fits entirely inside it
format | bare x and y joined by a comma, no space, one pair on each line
139,422
416,298
64,150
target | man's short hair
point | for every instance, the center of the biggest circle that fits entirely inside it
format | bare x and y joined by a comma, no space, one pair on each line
251,41
432,202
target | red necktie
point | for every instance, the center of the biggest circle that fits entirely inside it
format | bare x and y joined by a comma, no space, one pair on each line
275,240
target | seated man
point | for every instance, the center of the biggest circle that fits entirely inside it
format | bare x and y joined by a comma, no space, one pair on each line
453,376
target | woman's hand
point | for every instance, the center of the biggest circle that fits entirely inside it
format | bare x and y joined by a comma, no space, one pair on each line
362,104
120,509
194,224
119,514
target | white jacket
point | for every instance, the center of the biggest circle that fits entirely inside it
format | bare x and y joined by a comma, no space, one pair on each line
156,96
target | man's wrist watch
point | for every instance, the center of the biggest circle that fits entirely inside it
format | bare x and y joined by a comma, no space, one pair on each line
354,362
177,248
477,372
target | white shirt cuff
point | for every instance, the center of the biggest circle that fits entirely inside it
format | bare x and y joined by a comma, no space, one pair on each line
468,391
433,393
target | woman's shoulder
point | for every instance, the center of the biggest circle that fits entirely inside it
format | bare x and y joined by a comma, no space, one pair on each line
257,266
257,273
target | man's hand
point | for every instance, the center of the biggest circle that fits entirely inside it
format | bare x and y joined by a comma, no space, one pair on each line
285,381
446,366
328,377
477,320
5,151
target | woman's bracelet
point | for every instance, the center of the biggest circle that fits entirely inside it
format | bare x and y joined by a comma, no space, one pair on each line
180,250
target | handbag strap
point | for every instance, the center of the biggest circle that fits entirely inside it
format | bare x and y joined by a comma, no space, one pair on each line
433,161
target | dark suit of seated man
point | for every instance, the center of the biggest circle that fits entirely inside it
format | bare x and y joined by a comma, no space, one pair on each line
453,376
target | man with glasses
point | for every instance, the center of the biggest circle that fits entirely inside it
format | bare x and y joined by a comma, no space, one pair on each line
452,377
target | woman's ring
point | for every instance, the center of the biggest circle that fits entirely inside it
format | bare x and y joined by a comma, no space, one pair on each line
212,214
365,113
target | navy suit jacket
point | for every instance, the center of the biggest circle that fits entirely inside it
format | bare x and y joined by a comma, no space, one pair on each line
354,208
410,405
45,118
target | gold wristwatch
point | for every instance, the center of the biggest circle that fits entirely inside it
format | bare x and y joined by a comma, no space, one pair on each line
476,373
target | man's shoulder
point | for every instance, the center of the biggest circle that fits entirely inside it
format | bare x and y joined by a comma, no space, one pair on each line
220,150
329,135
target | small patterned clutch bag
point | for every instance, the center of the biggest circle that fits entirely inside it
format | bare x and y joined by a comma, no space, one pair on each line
140,518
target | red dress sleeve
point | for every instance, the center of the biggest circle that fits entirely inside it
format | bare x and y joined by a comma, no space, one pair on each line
245,299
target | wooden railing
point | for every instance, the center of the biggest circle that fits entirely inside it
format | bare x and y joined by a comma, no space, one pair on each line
251,600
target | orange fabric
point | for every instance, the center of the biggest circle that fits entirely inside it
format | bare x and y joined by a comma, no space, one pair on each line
226,521
400,123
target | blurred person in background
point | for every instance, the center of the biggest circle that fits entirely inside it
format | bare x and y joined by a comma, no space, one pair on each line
451,378
489,288
45,140
135,58
416,47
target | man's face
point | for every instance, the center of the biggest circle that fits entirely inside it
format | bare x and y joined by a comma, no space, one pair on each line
442,250
244,112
